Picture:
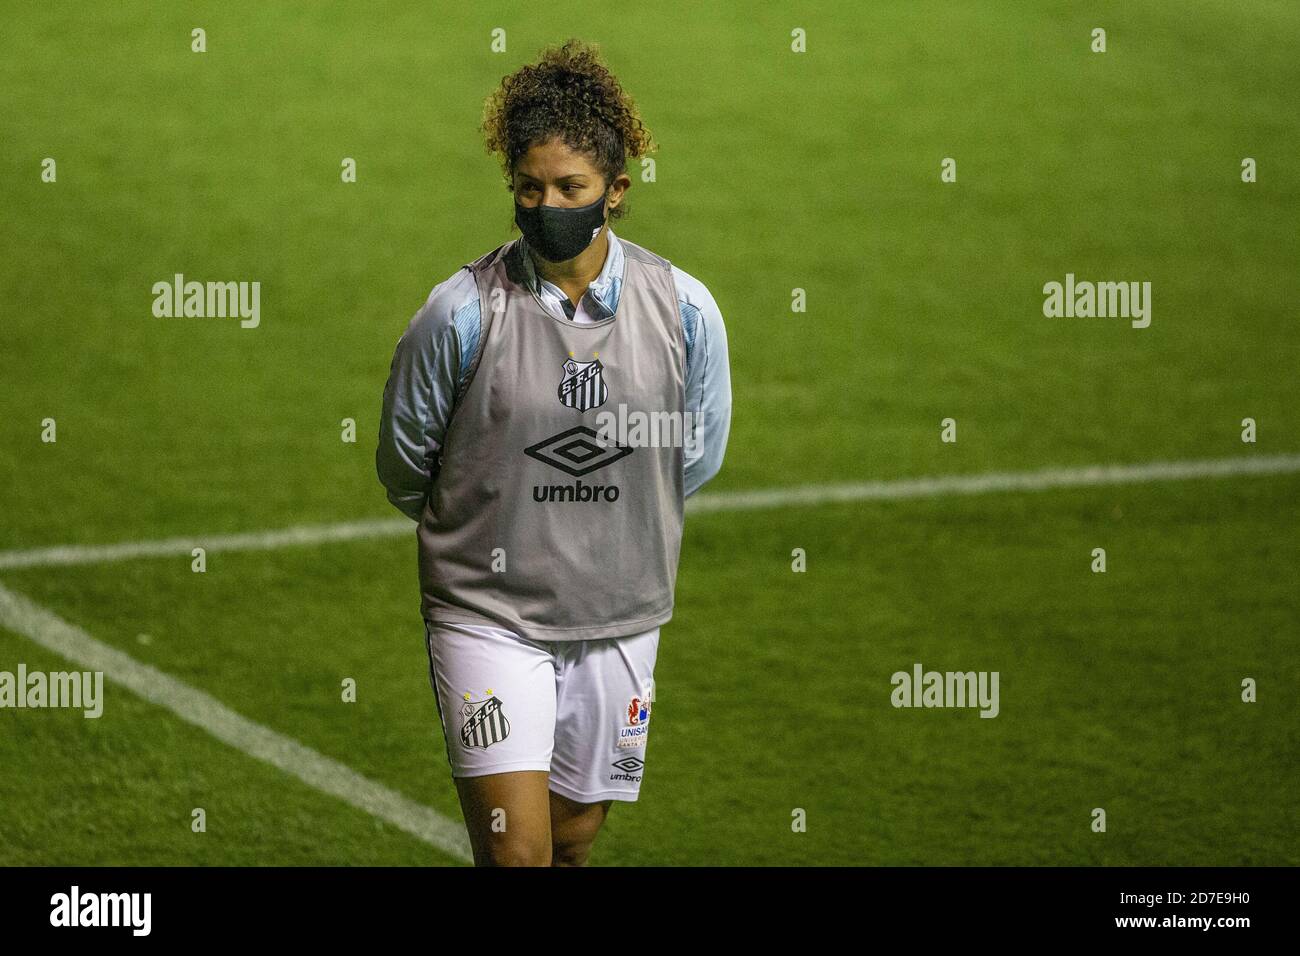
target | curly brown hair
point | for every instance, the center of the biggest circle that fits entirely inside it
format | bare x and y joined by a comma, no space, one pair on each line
571,94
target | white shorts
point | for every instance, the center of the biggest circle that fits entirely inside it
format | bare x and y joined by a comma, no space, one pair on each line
578,709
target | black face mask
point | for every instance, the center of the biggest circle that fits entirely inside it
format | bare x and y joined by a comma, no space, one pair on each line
559,233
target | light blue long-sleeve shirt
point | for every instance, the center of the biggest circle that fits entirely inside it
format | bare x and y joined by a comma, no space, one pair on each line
435,353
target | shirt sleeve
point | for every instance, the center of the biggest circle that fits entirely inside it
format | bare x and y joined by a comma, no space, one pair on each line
708,381
427,367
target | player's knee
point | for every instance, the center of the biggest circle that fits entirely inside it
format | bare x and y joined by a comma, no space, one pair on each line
571,853
515,853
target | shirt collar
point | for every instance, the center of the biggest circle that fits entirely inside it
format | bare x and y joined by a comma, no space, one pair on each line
604,290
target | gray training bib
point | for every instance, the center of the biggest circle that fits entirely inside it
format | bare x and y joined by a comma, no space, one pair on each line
531,524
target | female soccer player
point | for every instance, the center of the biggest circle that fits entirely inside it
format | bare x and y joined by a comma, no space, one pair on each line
547,411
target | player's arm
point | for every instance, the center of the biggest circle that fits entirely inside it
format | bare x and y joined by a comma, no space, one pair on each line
708,381
421,391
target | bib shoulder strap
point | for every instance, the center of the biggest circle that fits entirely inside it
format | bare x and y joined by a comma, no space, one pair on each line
644,256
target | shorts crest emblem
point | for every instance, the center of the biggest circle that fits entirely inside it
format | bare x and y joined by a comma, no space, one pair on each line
485,723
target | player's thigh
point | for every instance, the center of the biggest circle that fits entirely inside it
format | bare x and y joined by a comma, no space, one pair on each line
508,817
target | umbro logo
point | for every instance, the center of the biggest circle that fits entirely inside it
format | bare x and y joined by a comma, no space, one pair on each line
577,451
629,768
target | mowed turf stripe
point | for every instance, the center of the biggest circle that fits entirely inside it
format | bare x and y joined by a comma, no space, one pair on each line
22,616
802,495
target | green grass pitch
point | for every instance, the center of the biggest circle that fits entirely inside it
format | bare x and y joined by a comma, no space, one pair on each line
777,170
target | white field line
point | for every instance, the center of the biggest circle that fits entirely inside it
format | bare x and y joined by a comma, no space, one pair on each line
247,541
1041,480
699,504
24,617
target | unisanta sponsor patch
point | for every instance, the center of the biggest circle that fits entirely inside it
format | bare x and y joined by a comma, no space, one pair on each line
637,728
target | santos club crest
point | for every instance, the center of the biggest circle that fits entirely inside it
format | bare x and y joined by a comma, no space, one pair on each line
485,723
583,385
